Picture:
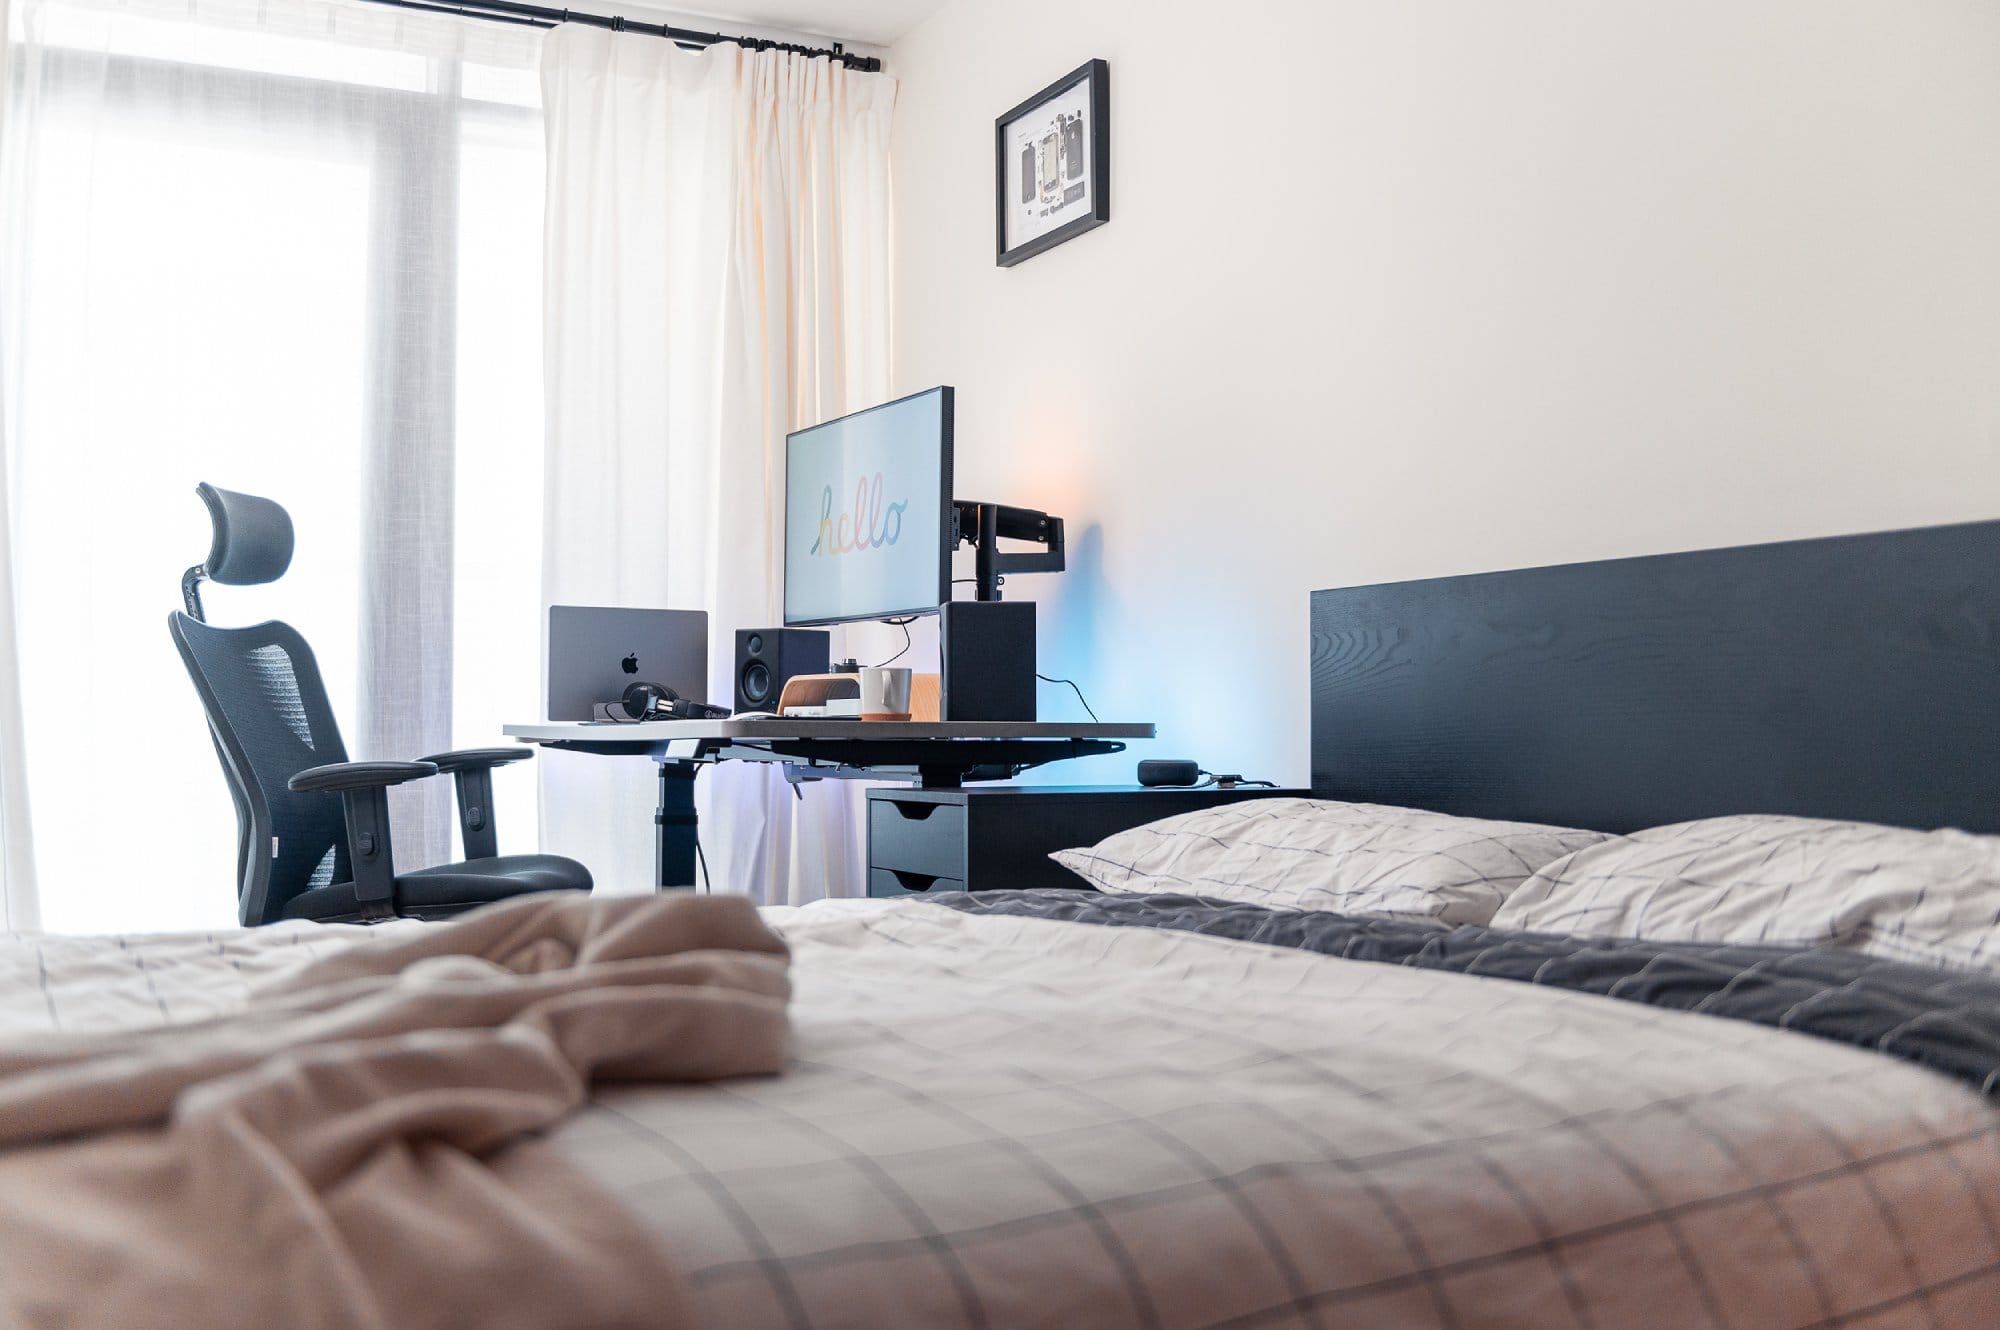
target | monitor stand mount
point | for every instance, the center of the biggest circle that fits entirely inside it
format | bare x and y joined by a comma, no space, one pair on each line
985,525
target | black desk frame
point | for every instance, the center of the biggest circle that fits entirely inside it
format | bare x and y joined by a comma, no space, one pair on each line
938,764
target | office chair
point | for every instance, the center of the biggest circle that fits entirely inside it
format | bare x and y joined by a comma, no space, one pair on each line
302,853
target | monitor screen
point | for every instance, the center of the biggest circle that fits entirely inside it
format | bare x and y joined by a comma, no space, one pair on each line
868,513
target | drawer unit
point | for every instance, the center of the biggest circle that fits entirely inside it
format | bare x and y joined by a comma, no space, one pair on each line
997,837
916,835
892,882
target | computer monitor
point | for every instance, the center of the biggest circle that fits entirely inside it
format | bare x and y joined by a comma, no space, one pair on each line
868,516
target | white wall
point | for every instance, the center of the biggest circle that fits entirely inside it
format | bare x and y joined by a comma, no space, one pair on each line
1394,290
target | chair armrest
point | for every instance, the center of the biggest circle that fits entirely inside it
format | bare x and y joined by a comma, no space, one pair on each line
363,788
338,777
472,772
469,759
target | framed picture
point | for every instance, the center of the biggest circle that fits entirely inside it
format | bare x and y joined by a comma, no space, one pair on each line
1052,166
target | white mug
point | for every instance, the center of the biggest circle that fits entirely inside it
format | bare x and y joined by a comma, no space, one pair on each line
885,693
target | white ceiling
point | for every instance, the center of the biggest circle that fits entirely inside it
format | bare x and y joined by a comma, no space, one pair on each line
871,22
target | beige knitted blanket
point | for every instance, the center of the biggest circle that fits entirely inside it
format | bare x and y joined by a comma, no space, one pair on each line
358,1147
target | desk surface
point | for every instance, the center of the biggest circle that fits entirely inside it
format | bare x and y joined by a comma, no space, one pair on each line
801,728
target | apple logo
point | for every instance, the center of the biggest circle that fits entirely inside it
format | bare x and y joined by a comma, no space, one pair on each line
630,664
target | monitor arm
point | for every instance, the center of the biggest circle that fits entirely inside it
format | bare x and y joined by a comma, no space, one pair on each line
985,525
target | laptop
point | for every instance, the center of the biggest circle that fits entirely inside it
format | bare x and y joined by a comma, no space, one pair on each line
596,654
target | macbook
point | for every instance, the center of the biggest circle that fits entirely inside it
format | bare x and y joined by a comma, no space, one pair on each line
596,654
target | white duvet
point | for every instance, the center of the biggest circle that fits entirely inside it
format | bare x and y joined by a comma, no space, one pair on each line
1012,1122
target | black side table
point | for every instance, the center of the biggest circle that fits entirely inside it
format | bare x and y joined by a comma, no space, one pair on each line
998,837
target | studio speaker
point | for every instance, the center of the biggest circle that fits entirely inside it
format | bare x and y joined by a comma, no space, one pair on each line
767,657
988,653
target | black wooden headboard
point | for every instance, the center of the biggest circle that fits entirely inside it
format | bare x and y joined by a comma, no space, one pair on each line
1853,677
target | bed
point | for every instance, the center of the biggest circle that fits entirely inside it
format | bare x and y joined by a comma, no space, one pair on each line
1167,1109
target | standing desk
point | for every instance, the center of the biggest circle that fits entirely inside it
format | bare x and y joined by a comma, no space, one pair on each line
931,754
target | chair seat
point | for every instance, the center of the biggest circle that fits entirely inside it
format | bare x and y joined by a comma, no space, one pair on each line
448,889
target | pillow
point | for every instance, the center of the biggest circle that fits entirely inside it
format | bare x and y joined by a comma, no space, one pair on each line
1926,896
1313,854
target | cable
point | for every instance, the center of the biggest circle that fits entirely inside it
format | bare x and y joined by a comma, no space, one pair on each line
903,624
1074,689
1231,781
707,883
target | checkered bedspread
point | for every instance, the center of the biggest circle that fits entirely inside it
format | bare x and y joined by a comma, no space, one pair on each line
999,1121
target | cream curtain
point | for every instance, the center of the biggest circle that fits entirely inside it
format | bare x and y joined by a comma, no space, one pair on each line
717,273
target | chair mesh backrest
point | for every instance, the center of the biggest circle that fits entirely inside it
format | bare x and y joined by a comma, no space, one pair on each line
269,712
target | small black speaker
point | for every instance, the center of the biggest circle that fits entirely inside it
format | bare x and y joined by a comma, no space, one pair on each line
1167,771
988,653
767,657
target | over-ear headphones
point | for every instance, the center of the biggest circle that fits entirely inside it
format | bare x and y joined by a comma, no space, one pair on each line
656,701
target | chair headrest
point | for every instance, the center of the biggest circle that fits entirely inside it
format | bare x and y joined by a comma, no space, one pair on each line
253,538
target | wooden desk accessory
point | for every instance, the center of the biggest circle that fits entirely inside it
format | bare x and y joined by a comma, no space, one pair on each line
816,690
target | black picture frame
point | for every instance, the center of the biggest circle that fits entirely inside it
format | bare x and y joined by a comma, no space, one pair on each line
1095,184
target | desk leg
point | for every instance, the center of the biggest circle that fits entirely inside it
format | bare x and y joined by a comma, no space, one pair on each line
674,850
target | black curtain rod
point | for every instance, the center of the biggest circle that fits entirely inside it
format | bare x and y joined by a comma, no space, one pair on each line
542,16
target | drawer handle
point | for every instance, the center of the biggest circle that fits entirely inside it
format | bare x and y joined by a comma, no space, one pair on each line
913,881
913,812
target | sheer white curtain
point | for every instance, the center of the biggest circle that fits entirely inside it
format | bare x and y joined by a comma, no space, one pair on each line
19,905
290,247
17,856
717,273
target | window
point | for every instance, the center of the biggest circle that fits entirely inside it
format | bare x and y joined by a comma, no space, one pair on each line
287,250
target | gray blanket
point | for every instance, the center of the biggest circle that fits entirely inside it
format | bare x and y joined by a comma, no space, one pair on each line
1945,1020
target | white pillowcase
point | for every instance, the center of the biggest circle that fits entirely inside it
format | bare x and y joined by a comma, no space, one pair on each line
1313,854
1926,896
